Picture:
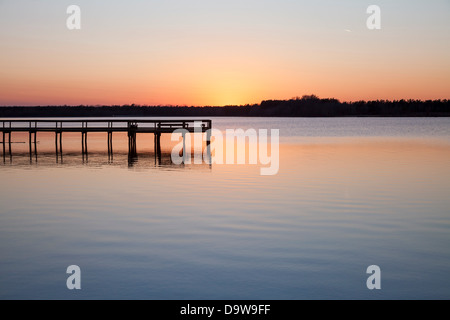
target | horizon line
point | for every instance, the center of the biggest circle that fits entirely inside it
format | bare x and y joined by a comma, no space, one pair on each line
304,98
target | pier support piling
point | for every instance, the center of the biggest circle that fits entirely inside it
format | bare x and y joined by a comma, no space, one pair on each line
132,150
157,144
84,146
208,147
58,145
9,143
110,145
184,148
32,141
29,145
4,144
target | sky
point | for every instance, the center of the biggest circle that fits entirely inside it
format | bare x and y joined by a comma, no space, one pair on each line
221,52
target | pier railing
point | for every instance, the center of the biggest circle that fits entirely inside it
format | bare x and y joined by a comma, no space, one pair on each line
106,125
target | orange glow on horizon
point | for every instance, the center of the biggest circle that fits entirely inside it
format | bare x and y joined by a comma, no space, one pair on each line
222,54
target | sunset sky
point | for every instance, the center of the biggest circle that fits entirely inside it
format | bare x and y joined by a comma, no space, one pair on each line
209,52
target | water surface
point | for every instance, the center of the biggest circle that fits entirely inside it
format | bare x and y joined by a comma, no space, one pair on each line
350,193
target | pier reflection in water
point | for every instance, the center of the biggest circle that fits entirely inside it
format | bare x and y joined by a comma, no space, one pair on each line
140,151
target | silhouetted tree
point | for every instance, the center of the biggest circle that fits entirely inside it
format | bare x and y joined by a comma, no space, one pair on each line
306,106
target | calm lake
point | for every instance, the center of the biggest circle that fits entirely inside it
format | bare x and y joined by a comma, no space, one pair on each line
350,193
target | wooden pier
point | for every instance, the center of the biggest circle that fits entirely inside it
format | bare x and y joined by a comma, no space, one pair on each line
109,126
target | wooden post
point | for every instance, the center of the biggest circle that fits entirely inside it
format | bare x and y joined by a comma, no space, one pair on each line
4,144
84,142
110,146
86,145
60,142
29,143
35,145
184,147
83,152
158,147
56,141
208,137
132,149
155,148
9,142
56,146
159,143
208,146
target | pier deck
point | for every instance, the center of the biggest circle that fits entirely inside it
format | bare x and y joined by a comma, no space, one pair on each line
140,126
109,126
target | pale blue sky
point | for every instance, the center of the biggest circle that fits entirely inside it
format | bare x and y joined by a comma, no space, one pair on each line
289,37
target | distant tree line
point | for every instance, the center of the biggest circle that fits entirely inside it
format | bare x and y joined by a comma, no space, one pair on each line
306,106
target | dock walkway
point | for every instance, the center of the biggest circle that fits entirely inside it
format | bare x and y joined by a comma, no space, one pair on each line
109,126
